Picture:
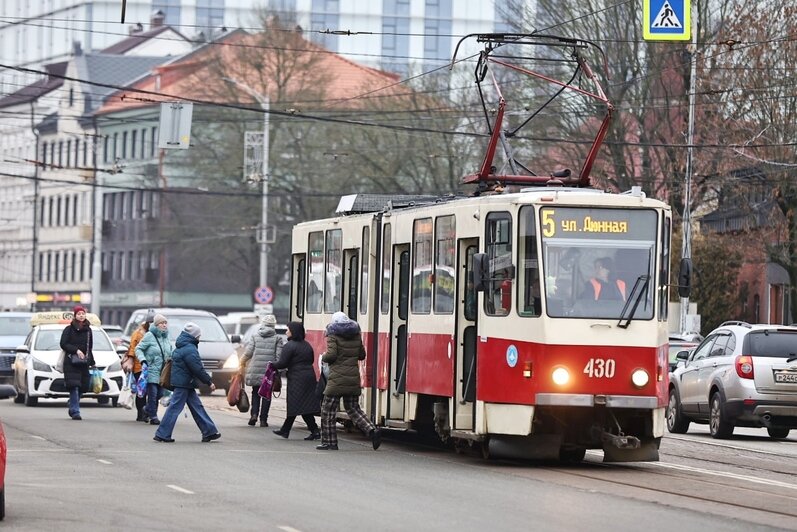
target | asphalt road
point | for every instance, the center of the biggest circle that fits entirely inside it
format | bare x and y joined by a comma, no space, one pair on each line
106,473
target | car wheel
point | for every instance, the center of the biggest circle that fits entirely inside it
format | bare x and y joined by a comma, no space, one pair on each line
20,397
777,433
719,426
676,422
114,402
31,401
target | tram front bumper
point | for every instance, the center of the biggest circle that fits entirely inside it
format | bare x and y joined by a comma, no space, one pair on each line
589,400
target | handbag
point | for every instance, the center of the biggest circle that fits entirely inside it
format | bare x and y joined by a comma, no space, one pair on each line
321,385
165,380
75,360
243,401
59,364
234,391
126,394
141,383
127,364
276,388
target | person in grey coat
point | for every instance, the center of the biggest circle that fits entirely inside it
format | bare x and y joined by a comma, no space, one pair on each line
344,351
265,346
297,357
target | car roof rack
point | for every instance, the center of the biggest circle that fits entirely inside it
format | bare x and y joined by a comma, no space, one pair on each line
735,322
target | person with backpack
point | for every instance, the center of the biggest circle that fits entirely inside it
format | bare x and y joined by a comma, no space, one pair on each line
154,350
186,371
344,351
265,346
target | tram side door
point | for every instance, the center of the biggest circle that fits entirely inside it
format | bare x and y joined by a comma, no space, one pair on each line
350,283
464,400
398,332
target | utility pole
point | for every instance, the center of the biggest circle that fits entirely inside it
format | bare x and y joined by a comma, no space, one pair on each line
686,248
263,230
96,246
35,236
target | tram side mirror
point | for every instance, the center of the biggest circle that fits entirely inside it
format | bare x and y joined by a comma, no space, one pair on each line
480,269
685,278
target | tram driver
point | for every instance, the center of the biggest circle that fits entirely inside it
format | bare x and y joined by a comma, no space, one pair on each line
604,286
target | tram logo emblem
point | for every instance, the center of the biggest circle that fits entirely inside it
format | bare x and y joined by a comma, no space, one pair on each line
511,356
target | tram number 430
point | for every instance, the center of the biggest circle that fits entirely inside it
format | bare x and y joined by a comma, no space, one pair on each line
600,368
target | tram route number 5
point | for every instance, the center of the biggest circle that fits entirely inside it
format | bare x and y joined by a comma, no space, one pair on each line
600,368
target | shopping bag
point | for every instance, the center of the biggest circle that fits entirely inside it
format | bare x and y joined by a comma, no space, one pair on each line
59,364
243,400
95,382
267,386
166,375
234,391
166,399
126,394
141,383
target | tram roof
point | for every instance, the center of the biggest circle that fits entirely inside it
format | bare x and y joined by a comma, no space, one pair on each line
363,203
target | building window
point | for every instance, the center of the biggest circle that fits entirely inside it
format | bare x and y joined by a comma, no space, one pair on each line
325,14
395,35
77,152
61,153
105,142
66,210
209,15
115,153
133,136
85,152
124,145
68,153
153,141
143,143
44,153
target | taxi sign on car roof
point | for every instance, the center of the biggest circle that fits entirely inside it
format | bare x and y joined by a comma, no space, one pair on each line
64,317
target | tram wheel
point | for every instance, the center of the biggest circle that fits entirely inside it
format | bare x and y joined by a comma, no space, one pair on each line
485,448
777,433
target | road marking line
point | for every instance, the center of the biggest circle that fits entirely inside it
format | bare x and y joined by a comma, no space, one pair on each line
38,437
178,488
106,462
691,469
288,528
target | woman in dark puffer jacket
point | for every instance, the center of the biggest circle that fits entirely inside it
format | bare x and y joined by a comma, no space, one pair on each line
344,351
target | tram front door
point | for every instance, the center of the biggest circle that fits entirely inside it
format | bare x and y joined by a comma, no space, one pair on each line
398,333
464,399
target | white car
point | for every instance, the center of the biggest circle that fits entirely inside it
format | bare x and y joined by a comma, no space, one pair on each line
34,369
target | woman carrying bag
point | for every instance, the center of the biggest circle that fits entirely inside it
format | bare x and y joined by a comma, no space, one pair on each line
77,343
154,350
265,346
297,357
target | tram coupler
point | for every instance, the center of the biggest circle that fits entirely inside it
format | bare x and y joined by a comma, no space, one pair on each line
620,442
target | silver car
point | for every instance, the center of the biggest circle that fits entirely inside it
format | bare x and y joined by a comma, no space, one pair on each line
740,375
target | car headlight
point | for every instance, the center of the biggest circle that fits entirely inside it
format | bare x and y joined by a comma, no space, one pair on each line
38,365
232,362
560,376
640,377
116,366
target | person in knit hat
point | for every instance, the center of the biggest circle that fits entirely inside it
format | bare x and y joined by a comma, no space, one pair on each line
77,343
131,363
186,371
263,347
154,350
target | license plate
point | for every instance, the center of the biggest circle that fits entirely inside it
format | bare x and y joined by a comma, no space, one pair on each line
782,376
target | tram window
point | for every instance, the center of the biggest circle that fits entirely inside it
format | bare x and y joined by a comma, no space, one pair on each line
299,287
445,271
364,270
421,300
664,275
315,281
387,249
498,242
529,300
470,288
333,280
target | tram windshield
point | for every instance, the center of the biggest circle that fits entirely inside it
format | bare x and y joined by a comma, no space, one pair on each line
595,259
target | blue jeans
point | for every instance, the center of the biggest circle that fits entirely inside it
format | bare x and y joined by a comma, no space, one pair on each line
74,401
181,397
154,392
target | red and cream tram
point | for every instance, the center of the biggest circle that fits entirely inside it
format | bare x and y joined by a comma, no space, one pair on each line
531,322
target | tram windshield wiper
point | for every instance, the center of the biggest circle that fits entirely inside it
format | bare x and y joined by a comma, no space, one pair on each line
637,293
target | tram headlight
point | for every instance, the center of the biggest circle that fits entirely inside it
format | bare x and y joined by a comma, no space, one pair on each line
560,376
640,377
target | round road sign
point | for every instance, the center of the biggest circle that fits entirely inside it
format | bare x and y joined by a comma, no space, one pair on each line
264,295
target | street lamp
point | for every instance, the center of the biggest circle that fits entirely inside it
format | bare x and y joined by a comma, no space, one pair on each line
264,104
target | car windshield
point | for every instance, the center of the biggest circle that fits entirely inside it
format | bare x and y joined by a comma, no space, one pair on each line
114,333
14,325
50,340
212,331
772,343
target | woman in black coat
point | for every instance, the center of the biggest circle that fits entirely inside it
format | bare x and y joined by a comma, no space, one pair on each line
77,343
298,358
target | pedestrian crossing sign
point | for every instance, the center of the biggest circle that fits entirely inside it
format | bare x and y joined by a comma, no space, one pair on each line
667,20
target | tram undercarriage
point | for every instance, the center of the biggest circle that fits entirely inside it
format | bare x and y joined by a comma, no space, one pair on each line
566,432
